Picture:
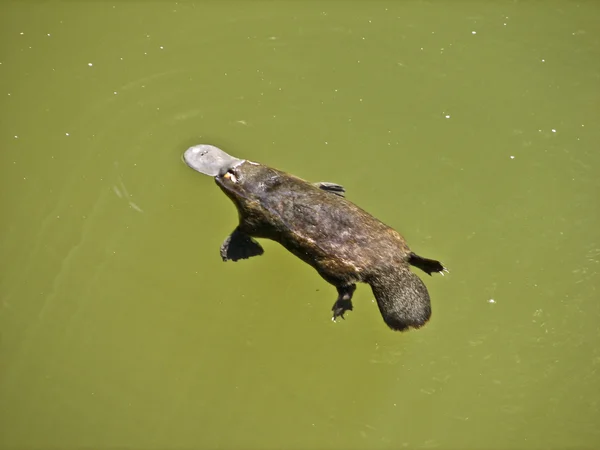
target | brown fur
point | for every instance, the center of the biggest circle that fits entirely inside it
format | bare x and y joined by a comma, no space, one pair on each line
344,243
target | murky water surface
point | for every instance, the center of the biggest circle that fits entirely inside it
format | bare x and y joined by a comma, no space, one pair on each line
472,128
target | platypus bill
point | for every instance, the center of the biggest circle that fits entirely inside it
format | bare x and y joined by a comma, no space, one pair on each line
315,222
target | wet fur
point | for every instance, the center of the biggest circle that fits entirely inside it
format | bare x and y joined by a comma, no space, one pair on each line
344,243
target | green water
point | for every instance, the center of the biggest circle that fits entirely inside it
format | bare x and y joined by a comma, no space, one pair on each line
471,127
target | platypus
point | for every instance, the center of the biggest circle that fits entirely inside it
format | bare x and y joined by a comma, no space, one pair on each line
315,222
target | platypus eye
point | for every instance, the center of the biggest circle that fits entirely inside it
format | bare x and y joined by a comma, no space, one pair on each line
232,175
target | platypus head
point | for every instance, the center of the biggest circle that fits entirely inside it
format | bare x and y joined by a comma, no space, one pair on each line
242,181
209,160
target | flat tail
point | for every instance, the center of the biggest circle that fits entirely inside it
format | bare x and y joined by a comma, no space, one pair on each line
428,266
402,298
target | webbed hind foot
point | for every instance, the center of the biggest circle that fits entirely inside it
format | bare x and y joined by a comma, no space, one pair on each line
426,265
344,301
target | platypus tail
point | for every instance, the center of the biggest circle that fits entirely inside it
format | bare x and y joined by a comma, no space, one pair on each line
402,298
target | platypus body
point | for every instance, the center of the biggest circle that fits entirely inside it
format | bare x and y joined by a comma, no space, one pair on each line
315,222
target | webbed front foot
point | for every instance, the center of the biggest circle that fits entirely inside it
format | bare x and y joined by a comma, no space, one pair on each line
344,301
334,188
239,245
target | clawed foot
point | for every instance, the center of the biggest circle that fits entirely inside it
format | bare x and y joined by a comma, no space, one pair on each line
340,307
344,301
427,265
